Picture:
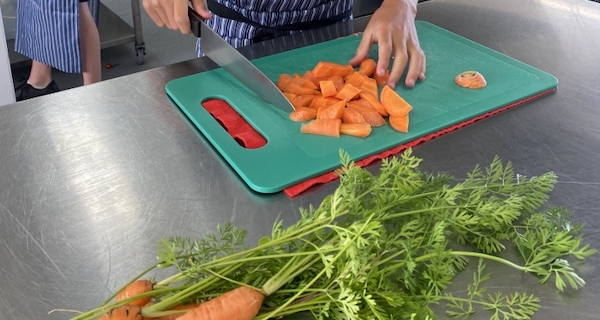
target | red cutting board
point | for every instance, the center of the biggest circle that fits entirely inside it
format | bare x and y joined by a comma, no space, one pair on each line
290,157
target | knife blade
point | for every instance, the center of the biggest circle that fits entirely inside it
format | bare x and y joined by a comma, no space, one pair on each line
228,58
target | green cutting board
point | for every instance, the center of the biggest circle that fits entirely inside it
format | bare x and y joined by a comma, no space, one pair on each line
290,157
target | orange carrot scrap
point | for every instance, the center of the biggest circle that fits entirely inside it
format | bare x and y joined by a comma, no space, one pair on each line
470,80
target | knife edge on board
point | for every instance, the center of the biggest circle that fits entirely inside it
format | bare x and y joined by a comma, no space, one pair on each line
228,58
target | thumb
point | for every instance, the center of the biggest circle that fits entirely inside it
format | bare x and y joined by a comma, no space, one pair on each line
201,8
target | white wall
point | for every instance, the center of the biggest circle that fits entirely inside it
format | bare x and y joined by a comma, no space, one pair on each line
7,88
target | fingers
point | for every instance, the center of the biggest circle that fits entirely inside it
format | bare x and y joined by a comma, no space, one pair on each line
181,21
365,45
173,14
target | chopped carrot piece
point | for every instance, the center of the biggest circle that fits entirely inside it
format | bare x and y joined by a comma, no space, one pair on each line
367,67
369,86
308,75
335,111
471,80
297,89
326,127
375,104
283,80
352,116
399,123
301,114
338,81
356,129
371,116
356,79
348,92
394,103
327,88
381,80
303,100
326,69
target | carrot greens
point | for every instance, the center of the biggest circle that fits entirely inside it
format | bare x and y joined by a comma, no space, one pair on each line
385,246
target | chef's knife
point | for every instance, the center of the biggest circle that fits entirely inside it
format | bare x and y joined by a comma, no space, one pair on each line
228,58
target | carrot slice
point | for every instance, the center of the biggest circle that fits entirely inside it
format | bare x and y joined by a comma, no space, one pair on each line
356,129
335,111
352,116
382,80
338,81
371,116
369,86
301,114
325,69
394,103
470,80
327,88
297,89
308,75
325,127
356,79
367,67
399,123
348,92
283,80
375,104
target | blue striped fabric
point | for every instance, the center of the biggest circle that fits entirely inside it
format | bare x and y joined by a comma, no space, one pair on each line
271,13
48,31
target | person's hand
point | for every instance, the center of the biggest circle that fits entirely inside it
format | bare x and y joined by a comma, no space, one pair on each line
174,13
392,28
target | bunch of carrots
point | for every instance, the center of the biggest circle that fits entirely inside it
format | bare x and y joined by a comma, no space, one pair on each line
378,247
336,99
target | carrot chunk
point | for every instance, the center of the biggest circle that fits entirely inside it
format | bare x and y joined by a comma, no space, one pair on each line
348,92
399,123
326,69
367,67
295,88
335,111
375,104
327,88
356,79
356,129
394,103
352,116
326,127
371,116
369,86
301,114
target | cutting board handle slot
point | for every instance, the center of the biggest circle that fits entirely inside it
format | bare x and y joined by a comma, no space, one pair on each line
236,126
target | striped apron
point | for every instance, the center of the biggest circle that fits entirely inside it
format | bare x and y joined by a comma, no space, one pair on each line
48,31
270,13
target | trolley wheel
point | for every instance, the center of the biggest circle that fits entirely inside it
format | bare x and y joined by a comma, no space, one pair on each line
140,52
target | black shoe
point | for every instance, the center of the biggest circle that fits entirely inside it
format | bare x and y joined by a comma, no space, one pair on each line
26,91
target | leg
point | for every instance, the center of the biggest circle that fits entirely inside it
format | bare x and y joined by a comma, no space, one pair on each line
89,40
40,75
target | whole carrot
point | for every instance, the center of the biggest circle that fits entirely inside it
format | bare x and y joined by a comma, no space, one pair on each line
133,289
241,303
126,312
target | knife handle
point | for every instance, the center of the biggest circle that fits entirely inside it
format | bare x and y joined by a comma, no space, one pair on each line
195,21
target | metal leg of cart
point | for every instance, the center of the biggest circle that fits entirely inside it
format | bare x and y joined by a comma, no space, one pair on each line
140,48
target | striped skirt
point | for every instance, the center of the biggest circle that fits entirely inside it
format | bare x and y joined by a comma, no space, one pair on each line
270,13
48,31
